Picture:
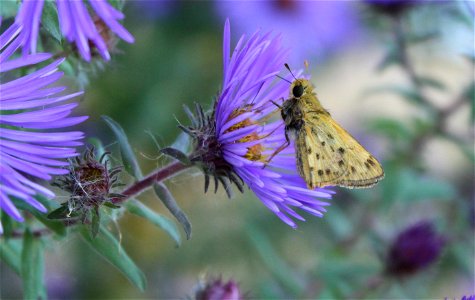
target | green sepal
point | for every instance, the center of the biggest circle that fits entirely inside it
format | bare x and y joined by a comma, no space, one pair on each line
111,205
176,154
95,221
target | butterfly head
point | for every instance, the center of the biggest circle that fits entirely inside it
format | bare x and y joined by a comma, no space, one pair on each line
300,87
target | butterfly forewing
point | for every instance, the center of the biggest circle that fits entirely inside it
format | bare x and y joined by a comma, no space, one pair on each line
333,157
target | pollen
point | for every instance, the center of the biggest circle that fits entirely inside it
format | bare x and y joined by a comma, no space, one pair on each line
253,153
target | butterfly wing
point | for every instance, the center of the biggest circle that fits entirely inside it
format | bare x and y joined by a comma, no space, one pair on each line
328,155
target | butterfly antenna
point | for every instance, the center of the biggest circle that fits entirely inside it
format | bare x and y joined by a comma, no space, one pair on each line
283,79
288,68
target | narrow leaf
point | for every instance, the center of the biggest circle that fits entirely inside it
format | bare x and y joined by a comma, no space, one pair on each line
274,262
138,208
32,267
431,82
49,20
9,8
53,225
128,157
109,248
176,154
167,198
10,251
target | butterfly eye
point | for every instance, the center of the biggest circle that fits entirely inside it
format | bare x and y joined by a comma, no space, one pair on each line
297,91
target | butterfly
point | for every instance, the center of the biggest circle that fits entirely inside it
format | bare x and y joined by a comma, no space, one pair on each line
327,155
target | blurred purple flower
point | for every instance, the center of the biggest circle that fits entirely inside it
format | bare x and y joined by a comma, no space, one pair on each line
30,113
76,24
238,140
216,289
391,7
313,29
415,248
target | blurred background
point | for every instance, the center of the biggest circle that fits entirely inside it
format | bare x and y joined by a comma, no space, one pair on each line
398,75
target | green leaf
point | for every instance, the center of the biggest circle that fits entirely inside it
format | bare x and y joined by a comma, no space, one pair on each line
391,57
128,157
110,249
470,94
431,82
55,226
167,198
9,8
408,186
10,251
176,154
49,20
392,128
405,92
32,267
274,262
138,208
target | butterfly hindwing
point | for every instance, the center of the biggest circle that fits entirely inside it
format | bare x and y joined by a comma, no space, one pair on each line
331,156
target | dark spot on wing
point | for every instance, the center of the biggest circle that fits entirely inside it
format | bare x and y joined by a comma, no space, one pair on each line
371,162
318,156
341,150
341,163
320,172
366,165
327,171
323,143
353,170
309,150
311,169
331,148
330,136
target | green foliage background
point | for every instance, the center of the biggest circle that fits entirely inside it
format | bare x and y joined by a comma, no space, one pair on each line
421,129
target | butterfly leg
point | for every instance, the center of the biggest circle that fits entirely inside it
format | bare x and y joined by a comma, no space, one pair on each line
278,150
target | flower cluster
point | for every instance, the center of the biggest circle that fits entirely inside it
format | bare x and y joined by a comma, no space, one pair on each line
76,23
240,137
313,29
33,113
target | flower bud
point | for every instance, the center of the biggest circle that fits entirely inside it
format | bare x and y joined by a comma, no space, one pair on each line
414,249
216,289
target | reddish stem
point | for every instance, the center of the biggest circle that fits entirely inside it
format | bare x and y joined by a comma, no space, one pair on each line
158,176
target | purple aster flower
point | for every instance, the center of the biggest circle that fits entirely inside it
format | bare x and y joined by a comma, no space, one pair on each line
313,29
235,142
415,248
76,23
32,113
